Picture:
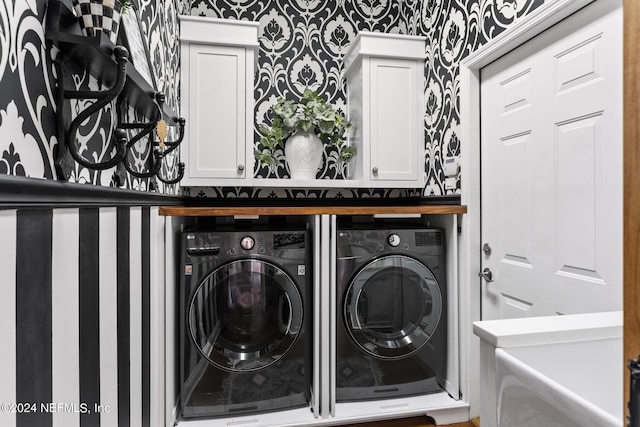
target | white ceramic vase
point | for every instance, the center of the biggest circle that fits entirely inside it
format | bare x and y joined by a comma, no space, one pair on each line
303,151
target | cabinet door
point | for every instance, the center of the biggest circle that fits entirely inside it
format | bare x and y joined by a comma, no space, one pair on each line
394,120
217,112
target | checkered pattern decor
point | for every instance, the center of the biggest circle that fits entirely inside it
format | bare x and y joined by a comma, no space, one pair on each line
98,15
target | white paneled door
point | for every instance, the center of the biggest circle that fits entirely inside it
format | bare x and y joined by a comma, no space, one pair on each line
551,170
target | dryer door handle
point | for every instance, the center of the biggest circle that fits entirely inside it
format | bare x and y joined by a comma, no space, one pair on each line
358,313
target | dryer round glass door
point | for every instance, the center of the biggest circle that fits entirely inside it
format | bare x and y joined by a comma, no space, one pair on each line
245,315
392,306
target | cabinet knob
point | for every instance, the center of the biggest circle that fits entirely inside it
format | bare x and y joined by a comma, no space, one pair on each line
375,170
240,167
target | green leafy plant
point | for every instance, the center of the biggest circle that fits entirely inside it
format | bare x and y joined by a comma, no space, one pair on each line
126,4
310,114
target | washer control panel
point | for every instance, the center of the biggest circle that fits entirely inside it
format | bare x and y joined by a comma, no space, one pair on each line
394,240
247,243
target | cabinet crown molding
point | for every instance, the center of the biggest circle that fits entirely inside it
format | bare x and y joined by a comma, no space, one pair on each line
382,45
218,31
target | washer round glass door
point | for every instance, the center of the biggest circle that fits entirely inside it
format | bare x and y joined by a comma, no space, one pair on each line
392,306
245,315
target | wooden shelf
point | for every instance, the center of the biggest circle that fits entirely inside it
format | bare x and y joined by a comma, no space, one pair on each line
312,210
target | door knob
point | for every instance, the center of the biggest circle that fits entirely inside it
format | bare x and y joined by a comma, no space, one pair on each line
487,275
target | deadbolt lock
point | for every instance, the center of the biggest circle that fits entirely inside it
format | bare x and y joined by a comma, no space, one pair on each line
486,248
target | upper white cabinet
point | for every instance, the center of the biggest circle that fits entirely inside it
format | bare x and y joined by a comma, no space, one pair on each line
218,64
384,74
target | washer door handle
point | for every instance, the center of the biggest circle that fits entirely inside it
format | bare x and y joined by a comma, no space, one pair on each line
286,316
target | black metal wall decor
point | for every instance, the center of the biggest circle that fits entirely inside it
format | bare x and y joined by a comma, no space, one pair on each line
160,148
68,139
127,87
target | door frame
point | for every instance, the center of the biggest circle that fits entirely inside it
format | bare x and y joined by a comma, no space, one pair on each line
631,188
530,26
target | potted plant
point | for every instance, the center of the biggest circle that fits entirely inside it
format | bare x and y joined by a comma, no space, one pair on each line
302,130
98,16
125,4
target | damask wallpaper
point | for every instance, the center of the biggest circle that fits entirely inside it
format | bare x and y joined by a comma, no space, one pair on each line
302,44
454,29
27,124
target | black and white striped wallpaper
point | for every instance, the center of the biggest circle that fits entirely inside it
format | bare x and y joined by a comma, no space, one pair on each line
82,315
